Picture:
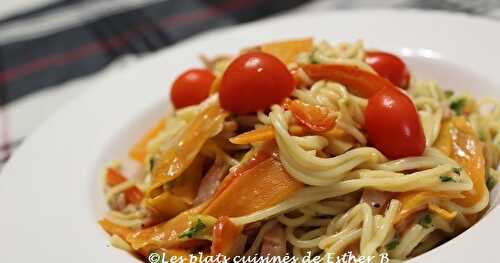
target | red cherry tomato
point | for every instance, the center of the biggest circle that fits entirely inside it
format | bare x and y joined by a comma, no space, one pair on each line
253,82
390,67
191,87
393,124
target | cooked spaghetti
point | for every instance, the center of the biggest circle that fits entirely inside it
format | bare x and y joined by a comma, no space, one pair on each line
302,149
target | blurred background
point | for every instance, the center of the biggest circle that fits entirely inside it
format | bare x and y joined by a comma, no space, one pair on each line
52,50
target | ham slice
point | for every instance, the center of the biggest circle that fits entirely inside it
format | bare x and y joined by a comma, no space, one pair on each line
274,242
211,181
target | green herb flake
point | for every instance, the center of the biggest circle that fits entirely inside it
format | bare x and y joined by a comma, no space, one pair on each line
490,182
425,220
448,93
457,170
393,243
195,229
151,164
457,105
446,178
311,56
482,137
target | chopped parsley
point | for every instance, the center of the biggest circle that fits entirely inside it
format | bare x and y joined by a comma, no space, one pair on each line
457,105
425,220
193,230
446,178
312,55
448,93
393,243
482,137
457,170
151,164
490,182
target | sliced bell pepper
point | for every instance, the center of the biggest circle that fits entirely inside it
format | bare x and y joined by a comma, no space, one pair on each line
314,117
215,86
227,238
180,195
287,51
167,205
132,195
139,151
445,214
260,134
257,188
357,81
183,148
416,201
165,235
266,133
459,141
114,229
258,184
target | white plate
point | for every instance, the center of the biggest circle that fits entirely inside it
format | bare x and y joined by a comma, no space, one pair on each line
49,194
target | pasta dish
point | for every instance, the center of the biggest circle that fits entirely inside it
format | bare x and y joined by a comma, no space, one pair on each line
304,149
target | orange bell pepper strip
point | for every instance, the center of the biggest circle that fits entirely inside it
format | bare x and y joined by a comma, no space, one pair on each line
139,151
180,196
125,232
166,234
255,185
215,86
260,134
416,201
357,81
459,141
287,51
166,205
445,214
114,229
225,238
314,117
132,195
182,150
257,188
267,133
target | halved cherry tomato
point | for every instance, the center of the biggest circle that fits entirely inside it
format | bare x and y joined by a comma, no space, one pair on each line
393,124
389,66
191,87
253,82
357,81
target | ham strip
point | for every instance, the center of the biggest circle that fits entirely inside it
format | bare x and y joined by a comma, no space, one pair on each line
274,242
210,182
377,200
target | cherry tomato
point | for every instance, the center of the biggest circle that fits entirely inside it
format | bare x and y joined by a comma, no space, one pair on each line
191,87
393,124
390,67
253,82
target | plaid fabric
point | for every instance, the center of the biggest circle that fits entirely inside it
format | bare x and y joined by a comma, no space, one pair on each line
62,52
33,64
65,40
